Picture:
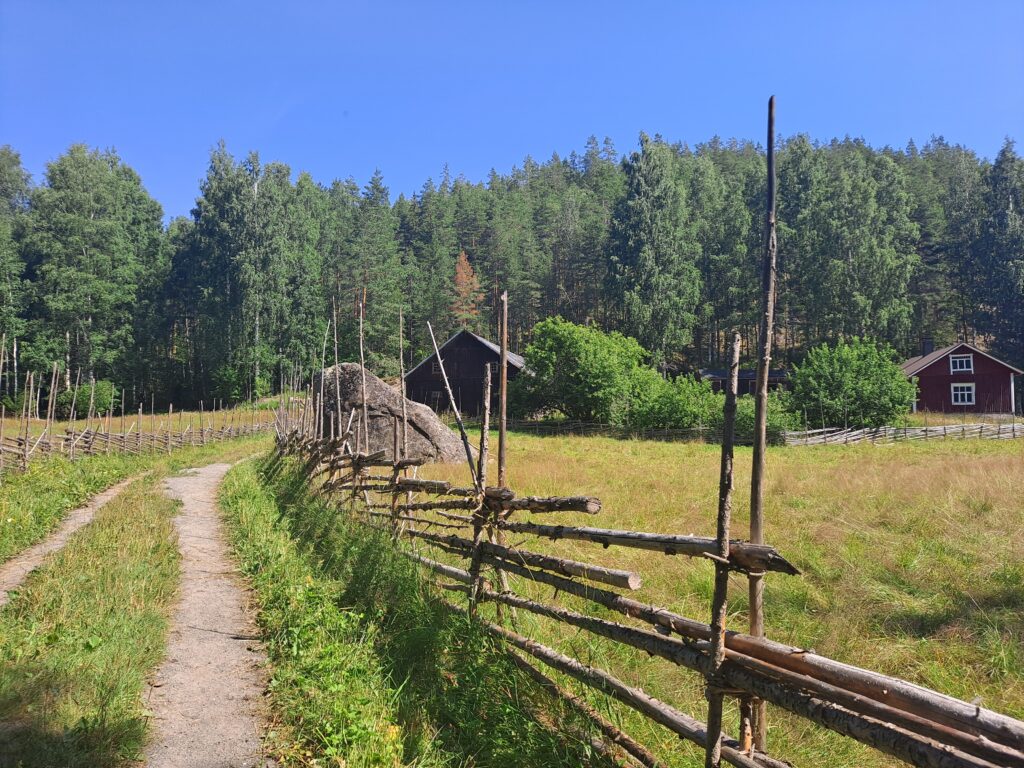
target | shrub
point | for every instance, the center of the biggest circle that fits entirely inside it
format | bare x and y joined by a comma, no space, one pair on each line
683,403
105,397
779,419
852,384
580,371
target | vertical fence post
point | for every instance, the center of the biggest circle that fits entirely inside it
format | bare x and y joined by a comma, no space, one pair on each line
768,267
503,396
480,514
715,694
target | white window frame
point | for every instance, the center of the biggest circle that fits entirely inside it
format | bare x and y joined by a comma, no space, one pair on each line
970,363
953,393
435,367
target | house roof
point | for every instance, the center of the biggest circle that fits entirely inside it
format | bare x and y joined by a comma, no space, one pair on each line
917,364
516,361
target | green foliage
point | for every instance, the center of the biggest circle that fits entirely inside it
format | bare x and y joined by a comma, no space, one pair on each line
588,375
680,403
91,235
654,275
779,418
580,372
104,395
855,383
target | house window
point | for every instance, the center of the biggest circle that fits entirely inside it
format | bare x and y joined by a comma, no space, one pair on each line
963,394
961,363
435,368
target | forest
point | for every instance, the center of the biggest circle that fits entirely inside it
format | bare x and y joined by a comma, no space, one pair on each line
661,244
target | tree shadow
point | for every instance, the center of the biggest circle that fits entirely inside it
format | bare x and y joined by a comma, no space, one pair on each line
28,738
998,607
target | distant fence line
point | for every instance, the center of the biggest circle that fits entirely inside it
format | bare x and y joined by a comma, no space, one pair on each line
827,436
16,453
840,436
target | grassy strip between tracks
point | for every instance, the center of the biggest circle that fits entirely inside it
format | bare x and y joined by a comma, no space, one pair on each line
80,637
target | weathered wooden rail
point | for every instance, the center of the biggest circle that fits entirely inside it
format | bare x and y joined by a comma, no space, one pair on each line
915,724
839,436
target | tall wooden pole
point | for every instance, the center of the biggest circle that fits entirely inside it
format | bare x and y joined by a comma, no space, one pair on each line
401,375
479,517
756,580
719,610
337,371
503,396
455,410
362,373
323,364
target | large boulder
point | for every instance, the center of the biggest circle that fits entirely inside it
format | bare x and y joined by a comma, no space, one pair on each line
429,438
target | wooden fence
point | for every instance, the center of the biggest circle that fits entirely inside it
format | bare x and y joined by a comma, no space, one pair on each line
19,450
840,436
912,723
829,436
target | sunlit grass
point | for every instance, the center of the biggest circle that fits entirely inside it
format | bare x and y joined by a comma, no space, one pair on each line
912,560
78,639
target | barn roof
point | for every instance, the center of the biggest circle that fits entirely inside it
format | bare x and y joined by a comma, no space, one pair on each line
917,364
516,361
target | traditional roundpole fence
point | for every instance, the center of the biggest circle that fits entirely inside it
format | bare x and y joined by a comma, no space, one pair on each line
907,721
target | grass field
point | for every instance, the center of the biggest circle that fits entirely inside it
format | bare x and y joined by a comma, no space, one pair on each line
78,639
912,560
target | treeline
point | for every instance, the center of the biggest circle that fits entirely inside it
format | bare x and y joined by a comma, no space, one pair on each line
662,245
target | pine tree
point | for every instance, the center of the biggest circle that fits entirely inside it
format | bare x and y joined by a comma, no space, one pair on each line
1000,252
91,235
465,308
14,190
654,274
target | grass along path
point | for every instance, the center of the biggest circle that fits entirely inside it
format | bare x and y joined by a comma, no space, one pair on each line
79,639
367,668
17,569
33,503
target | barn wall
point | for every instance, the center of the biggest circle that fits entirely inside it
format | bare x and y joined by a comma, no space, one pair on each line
991,391
464,361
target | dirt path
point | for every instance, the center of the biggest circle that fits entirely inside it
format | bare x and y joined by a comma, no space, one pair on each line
206,694
14,572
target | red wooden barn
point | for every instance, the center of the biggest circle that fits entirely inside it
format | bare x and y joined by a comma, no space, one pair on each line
961,378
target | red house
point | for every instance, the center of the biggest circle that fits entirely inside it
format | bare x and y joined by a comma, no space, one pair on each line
961,378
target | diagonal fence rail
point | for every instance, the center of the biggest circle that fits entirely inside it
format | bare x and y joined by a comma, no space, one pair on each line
436,524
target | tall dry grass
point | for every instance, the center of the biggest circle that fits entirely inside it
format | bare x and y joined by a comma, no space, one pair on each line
912,557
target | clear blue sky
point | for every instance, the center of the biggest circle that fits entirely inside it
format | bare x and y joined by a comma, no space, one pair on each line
342,88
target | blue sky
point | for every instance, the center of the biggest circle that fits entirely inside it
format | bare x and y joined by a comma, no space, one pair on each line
339,89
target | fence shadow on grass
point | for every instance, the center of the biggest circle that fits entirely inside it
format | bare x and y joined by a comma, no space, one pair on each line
998,607
457,685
